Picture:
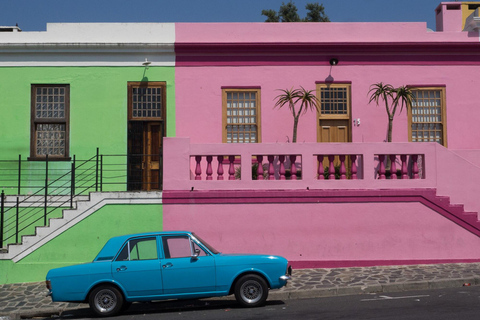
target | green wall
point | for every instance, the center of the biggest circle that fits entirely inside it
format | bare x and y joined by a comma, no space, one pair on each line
82,242
98,110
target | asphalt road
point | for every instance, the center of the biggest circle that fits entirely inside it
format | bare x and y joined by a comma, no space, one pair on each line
439,304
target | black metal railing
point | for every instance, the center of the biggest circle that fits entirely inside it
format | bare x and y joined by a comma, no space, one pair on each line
34,192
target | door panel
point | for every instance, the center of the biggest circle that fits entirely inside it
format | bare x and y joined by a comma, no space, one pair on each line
334,131
137,268
144,153
188,275
140,277
152,155
182,272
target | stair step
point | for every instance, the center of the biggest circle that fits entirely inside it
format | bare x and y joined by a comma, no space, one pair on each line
456,209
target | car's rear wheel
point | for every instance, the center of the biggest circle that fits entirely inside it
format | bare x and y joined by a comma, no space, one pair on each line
106,300
251,291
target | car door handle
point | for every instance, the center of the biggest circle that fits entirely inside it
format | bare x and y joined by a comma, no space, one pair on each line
168,265
122,268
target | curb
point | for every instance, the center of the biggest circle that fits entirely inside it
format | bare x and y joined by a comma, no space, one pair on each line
376,288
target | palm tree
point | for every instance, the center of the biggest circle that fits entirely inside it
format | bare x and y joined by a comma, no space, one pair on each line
402,95
308,100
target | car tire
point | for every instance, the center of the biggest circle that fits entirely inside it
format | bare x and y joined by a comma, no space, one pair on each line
106,300
251,291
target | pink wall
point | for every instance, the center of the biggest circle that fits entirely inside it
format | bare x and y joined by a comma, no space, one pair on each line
337,233
343,32
199,100
280,56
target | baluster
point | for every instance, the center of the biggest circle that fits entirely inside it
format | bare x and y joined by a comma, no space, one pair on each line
331,167
198,168
293,168
260,168
320,170
343,171
353,158
381,171
393,166
282,167
415,166
209,168
231,168
220,168
271,170
403,157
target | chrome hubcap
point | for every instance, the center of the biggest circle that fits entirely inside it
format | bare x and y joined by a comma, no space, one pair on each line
251,291
105,300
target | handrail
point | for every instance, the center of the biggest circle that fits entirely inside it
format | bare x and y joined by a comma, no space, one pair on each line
63,183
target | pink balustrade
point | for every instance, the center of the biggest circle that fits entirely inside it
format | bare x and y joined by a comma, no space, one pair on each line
402,166
295,165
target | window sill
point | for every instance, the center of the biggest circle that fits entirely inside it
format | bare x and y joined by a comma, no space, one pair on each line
49,159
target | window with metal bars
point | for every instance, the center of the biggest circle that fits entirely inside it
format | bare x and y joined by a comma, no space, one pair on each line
241,115
146,100
50,109
427,116
334,100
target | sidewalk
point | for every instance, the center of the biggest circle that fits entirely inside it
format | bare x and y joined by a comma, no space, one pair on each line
29,300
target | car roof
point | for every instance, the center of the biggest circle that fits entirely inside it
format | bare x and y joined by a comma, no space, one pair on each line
110,249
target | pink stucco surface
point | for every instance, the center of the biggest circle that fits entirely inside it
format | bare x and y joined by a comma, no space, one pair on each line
281,56
331,232
311,32
199,103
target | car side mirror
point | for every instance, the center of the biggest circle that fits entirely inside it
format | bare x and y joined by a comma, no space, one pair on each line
196,254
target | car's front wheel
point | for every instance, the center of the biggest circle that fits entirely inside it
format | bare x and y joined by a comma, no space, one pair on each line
105,300
251,291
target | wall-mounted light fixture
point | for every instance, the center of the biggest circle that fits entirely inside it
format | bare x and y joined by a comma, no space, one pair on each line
333,61
146,63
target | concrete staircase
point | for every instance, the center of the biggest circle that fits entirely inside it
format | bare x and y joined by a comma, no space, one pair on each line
83,209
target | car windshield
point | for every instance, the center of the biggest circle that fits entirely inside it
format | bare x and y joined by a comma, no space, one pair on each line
209,247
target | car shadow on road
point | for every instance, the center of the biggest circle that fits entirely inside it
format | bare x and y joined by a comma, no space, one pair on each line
159,307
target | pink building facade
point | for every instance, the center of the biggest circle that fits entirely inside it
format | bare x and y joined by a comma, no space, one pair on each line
344,208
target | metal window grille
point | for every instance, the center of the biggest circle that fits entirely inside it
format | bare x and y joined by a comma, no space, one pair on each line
242,117
427,118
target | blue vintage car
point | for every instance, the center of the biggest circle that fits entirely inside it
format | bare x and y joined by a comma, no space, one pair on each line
165,265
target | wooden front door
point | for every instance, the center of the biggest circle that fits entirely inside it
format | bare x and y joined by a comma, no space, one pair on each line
334,130
152,158
334,122
146,129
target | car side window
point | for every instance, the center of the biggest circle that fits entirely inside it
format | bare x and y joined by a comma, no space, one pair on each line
180,247
139,249
177,247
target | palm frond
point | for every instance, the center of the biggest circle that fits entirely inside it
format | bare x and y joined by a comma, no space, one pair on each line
403,96
308,100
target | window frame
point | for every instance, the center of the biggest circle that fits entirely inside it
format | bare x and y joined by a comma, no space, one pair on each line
331,116
443,102
34,121
129,249
147,84
225,91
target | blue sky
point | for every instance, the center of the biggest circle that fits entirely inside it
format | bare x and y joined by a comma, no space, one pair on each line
33,15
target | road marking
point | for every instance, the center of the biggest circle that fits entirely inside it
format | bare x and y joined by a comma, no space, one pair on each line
395,298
